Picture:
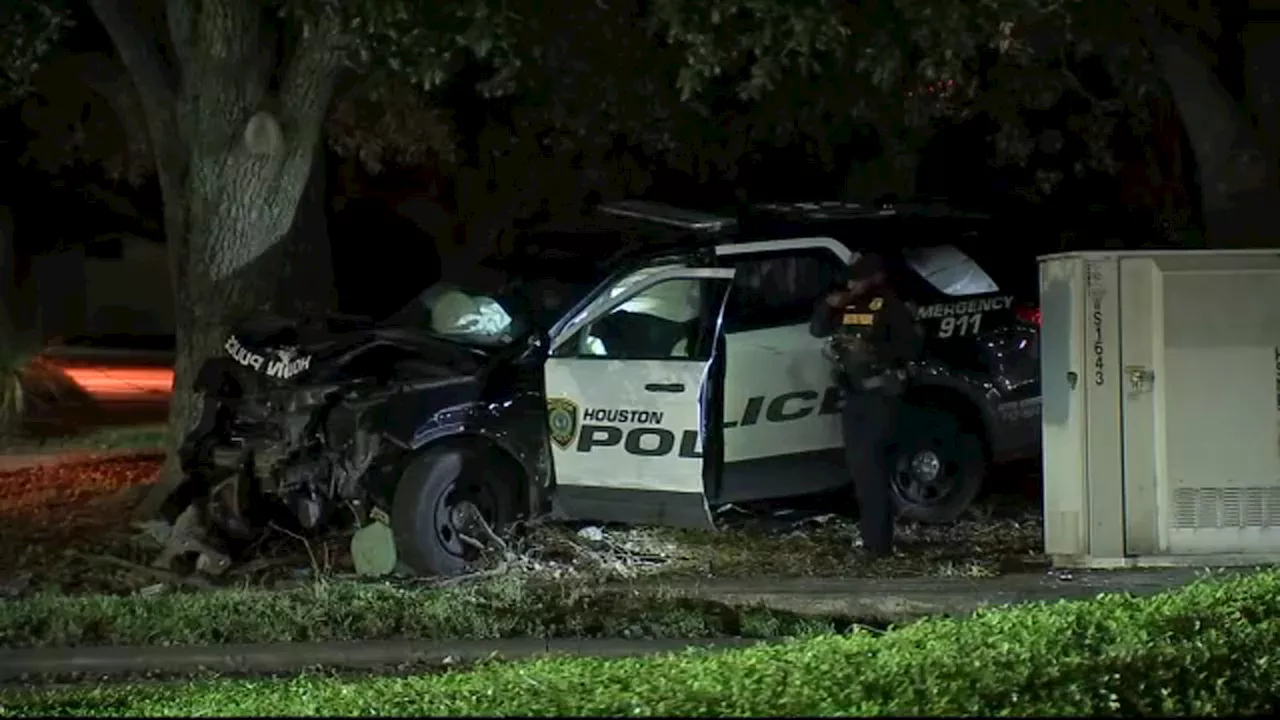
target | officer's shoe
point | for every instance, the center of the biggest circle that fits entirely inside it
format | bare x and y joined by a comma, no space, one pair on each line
865,555
862,553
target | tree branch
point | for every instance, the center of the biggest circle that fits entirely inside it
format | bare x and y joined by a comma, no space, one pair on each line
226,78
141,55
1216,129
157,86
1105,105
310,76
306,90
182,19
102,75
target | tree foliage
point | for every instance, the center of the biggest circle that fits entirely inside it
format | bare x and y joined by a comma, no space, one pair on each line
695,85
29,34
907,67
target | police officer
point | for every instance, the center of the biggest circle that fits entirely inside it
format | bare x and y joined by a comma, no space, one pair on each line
873,337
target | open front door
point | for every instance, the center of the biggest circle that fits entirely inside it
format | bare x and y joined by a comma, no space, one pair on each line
626,387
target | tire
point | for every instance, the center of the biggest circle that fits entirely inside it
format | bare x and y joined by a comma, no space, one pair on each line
938,497
423,513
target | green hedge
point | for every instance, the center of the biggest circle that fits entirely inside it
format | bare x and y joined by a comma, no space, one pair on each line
1210,649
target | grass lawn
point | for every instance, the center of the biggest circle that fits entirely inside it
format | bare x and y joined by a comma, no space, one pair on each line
508,607
73,572
1209,649
144,437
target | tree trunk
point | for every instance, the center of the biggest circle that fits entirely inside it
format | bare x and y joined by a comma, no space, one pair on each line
237,225
1261,42
1238,189
217,293
233,152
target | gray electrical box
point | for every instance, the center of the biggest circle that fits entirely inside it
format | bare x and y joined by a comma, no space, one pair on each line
1160,377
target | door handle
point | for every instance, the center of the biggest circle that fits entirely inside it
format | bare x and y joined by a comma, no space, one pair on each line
665,387
1141,379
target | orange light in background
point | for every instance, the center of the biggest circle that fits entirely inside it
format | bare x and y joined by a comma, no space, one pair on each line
122,383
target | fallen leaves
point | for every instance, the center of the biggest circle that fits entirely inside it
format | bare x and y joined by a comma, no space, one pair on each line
72,486
53,518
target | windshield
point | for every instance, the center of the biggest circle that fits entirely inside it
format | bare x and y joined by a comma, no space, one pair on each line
492,313
465,314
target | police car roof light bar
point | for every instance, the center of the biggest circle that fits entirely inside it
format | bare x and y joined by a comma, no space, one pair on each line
670,215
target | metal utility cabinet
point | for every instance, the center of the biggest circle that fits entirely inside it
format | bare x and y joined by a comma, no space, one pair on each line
1161,407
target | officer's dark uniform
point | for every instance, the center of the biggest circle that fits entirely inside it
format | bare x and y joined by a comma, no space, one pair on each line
873,338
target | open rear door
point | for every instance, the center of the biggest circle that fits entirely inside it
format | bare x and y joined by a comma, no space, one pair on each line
626,388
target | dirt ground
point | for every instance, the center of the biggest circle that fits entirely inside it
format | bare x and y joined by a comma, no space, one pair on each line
67,527
59,522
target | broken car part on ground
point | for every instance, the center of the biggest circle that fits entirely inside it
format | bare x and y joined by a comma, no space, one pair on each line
642,390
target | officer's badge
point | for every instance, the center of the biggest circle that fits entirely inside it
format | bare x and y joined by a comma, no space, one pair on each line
877,303
562,418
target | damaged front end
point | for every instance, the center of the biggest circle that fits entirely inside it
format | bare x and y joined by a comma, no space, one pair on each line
285,438
314,425
304,449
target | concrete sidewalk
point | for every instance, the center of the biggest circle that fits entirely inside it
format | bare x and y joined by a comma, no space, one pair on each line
97,662
890,600
870,600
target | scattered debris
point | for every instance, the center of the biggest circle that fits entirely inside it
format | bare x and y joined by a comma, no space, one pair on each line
194,580
592,533
373,550
150,590
67,527
157,531
187,538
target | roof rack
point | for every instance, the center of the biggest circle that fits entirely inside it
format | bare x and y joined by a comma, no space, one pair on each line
829,210
669,215
842,210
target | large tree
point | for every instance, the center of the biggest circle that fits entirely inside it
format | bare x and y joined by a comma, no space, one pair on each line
1222,64
234,97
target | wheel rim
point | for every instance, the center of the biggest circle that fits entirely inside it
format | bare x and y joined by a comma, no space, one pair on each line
926,477
451,513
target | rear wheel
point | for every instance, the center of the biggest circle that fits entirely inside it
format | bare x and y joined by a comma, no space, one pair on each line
434,505
938,467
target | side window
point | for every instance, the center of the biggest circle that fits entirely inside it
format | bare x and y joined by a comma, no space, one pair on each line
780,289
663,322
949,270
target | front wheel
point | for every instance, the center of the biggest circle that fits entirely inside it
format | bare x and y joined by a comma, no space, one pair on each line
432,513
938,467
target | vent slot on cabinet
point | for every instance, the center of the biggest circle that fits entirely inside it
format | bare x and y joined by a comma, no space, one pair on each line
1204,508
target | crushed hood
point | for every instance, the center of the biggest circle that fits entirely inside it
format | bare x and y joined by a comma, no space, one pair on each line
287,348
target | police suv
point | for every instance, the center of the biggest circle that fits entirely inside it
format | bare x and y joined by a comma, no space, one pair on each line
691,380
647,386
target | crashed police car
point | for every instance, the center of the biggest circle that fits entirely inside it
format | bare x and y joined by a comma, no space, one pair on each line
650,388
